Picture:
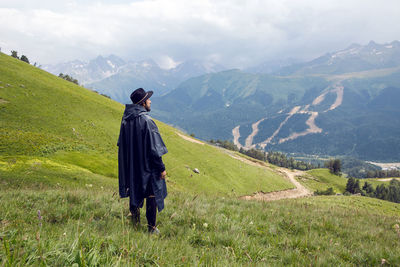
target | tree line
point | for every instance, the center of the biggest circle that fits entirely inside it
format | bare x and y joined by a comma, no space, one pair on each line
334,166
280,159
389,193
382,173
68,78
24,58
276,158
223,143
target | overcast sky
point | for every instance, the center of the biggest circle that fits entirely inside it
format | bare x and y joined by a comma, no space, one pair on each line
234,33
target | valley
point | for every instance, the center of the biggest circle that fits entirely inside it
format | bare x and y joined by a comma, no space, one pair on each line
330,106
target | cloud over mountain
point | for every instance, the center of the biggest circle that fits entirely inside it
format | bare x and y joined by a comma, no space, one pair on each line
235,33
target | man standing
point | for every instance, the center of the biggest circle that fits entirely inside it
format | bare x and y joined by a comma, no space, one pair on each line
141,170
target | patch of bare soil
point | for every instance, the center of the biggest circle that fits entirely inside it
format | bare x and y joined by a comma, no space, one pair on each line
339,99
249,139
236,136
387,179
190,139
319,99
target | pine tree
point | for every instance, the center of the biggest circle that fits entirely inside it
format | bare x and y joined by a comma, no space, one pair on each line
350,185
25,59
356,187
337,166
369,190
381,192
14,54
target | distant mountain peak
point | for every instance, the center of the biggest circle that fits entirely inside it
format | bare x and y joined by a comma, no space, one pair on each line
88,71
354,58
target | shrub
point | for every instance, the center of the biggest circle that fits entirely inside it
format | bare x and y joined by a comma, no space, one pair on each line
329,191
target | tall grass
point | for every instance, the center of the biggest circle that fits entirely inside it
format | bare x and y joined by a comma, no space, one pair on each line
91,227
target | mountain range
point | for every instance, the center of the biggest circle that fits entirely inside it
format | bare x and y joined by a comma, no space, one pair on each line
117,78
355,58
342,103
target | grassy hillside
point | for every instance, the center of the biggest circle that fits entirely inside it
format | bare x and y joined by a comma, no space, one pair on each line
60,206
321,179
51,126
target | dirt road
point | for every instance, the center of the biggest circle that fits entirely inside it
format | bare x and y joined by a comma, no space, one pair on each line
187,138
299,191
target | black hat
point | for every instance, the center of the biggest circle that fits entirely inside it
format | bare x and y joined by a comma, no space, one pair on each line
140,95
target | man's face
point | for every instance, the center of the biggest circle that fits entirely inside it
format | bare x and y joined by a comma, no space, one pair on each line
147,104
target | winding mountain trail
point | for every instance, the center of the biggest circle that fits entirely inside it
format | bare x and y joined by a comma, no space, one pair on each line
299,191
187,138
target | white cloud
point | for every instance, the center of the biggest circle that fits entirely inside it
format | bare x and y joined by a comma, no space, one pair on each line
235,33
166,62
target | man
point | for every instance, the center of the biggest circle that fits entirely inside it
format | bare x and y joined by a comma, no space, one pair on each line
141,170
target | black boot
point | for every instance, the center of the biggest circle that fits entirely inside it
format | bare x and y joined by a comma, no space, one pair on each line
151,214
135,211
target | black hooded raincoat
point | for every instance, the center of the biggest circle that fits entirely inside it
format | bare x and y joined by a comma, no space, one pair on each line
140,148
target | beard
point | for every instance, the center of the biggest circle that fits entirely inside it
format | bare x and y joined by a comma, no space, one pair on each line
147,108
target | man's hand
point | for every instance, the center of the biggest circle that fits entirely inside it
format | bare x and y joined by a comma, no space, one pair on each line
163,175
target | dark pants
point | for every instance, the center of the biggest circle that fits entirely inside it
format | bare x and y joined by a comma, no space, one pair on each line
151,209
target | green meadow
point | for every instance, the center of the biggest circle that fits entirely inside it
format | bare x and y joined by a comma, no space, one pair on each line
322,179
60,204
